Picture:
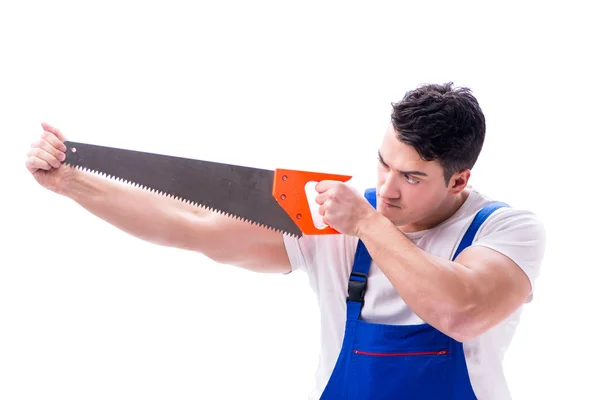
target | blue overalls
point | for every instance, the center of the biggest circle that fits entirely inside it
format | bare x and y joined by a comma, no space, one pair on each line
398,361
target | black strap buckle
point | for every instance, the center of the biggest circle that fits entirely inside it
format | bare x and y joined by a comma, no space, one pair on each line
357,288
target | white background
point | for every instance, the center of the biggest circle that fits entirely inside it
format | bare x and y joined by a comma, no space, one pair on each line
89,312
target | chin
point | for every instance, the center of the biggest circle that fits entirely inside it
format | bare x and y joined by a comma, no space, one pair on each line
392,216
397,221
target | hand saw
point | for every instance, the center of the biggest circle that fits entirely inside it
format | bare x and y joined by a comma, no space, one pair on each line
275,199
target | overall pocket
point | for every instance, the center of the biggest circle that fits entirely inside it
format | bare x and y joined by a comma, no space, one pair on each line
408,354
411,374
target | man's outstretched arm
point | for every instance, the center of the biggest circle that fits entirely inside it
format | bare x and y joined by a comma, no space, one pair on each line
156,218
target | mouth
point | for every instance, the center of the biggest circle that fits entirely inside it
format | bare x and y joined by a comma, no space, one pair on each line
389,205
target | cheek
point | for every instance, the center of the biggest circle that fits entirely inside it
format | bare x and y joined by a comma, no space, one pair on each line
413,198
426,199
419,197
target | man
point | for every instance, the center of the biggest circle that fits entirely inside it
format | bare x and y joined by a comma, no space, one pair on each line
419,296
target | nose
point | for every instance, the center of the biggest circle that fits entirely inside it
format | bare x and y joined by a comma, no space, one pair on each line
388,188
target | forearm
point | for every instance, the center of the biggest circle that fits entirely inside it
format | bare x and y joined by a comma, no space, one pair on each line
439,291
161,220
149,216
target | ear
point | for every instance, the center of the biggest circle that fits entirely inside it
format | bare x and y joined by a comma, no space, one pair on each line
459,181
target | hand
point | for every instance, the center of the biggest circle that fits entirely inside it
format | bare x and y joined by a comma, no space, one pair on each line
343,208
45,157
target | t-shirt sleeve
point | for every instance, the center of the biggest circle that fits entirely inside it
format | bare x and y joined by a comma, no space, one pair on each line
300,251
292,247
519,235
310,251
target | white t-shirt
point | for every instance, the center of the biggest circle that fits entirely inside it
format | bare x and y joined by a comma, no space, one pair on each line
328,259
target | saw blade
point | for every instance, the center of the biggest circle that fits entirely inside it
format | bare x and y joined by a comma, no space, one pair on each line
236,191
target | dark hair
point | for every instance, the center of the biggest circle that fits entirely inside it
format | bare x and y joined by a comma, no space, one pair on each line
441,123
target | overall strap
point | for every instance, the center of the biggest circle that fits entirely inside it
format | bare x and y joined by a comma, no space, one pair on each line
357,285
479,219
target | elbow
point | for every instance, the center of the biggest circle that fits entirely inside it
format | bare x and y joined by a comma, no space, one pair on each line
463,317
217,254
462,324
463,331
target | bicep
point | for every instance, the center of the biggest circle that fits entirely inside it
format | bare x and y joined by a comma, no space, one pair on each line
499,285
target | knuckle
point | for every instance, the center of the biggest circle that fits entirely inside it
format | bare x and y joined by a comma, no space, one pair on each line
56,152
54,161
32,164
39,152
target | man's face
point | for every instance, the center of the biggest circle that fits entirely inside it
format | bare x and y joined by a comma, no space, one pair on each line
410,190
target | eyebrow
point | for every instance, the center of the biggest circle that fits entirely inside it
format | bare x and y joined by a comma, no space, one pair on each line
420,173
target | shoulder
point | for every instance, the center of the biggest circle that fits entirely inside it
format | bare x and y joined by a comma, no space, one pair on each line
515,232
508,222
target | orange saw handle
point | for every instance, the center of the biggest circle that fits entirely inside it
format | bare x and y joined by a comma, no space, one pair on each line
289,192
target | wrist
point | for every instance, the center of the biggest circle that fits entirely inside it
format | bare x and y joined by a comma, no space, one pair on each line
75,184
369,223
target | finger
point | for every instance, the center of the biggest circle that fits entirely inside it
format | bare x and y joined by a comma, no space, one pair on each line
320,199
33,164
56,131
322,210
324,207
40,153
54,141
43,155
325,185
48,147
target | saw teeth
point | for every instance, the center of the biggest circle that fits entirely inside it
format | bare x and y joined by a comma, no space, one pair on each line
185,201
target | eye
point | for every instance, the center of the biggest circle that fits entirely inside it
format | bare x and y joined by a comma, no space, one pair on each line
411,180
381,161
